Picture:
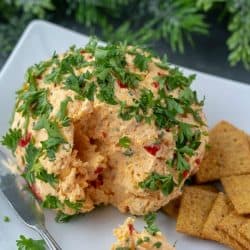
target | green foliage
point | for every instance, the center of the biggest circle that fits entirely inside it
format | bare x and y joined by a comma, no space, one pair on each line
239,40
138,22
24,243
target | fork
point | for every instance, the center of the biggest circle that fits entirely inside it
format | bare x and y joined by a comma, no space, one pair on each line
21,200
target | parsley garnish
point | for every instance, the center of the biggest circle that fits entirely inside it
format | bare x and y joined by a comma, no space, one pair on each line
157,244
139,241
74,205
31,158
156,181
89,91
6,219
141,61
52,202
42,174
34,101
124,142
55,137
11,139
24,243
62,113
106,93
34,168
150,221
174,79
62,217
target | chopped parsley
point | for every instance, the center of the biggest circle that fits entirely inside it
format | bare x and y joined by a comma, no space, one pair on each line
73,205
34,102
62,217
106,93
124,142
24,243
11,139
174,79
52,201
156,181
6,219
157,244
150,223
62,113
141,61
139,241
34,168
31,158
55,138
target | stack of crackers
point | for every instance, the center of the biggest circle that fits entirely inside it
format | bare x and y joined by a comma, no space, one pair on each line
202,211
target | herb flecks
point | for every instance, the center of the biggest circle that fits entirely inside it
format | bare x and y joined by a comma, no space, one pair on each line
141,61
55,138
11,139
34,168
124,142
63,218
156,181
24,243
150,221
62,113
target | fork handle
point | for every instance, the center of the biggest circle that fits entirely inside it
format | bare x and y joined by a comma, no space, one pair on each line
51,243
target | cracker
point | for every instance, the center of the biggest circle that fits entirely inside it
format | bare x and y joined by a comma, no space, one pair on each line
194,209
231,225
238,191
172,208
229,154
245,230
221,208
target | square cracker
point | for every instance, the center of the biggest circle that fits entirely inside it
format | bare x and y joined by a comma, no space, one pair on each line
172,208
194,209
228,155
238,191
231,225
221,208
245,229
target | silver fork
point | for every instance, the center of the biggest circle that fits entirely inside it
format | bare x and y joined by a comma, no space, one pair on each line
21,200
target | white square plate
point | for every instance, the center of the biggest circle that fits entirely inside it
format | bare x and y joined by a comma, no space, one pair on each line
225,99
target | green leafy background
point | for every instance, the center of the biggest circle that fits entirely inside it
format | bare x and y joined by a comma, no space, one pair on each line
172,21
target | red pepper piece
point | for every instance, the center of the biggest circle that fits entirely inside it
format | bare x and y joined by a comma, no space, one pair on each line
98,170
156,85
121,84
152,149
97,182
198,161
131,228
23,142
185,173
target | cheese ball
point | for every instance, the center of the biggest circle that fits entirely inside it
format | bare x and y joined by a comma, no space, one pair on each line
106,125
